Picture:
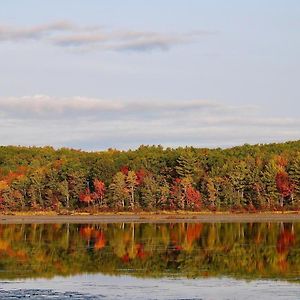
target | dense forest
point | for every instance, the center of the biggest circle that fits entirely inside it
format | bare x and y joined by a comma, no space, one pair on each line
248,251
150,178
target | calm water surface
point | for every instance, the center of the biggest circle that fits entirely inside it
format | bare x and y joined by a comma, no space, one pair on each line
150,261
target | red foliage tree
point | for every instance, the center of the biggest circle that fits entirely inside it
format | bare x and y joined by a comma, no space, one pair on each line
193,198
281,161
140,175
12,176
99,190
86,197
184,195
124,170
284,185
177,180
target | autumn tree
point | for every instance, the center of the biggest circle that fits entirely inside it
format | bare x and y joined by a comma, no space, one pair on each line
21,185
99,191
193,198
131,182
77,183
184,195
86,197
212,192
119,193
284,186
37,181
4,193
164,194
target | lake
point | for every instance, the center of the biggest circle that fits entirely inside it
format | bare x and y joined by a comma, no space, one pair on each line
150,261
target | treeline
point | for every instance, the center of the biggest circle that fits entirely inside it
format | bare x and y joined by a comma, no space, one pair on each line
258,177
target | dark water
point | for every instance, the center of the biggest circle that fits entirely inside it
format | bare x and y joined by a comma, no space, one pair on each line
150,261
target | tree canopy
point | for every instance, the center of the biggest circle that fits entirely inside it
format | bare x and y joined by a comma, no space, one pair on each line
249,177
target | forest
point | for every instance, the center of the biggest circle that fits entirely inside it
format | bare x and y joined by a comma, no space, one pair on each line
151,178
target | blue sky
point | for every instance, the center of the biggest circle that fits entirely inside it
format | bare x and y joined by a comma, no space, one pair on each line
96,74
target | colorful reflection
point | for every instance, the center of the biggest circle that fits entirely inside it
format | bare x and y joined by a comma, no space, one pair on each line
250,251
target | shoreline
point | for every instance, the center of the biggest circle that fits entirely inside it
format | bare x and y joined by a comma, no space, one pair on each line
159,217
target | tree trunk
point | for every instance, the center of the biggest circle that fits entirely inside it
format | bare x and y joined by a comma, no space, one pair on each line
68,201
132,199
281,201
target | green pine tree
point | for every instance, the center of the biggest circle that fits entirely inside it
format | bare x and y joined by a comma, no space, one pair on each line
294,173
268,177
186,165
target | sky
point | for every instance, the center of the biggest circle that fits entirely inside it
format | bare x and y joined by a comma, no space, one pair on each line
95,74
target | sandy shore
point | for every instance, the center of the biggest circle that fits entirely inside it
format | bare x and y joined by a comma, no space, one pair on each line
151,218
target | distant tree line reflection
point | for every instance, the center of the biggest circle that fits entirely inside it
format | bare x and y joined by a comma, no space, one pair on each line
241,250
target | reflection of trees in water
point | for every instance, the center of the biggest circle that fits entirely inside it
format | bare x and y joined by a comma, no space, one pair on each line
250,250
285,241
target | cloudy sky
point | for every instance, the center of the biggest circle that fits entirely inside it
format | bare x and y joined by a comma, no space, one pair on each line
94,74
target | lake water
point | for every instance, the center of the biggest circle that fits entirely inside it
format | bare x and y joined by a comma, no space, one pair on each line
150,261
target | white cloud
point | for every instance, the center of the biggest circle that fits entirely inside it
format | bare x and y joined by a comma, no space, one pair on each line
92,123
43,106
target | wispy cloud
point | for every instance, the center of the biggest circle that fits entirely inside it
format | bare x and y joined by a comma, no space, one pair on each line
9,33
43,106
93,123
127,40
69,35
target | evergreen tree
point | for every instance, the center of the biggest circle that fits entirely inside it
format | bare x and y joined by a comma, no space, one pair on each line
212,193
268,177
63,188
226,194
118,191
149,193
238,179
186,165
294,172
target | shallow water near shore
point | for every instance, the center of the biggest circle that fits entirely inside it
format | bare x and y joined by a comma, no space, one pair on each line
150,261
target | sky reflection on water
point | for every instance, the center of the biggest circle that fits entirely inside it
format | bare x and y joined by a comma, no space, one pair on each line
127,287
